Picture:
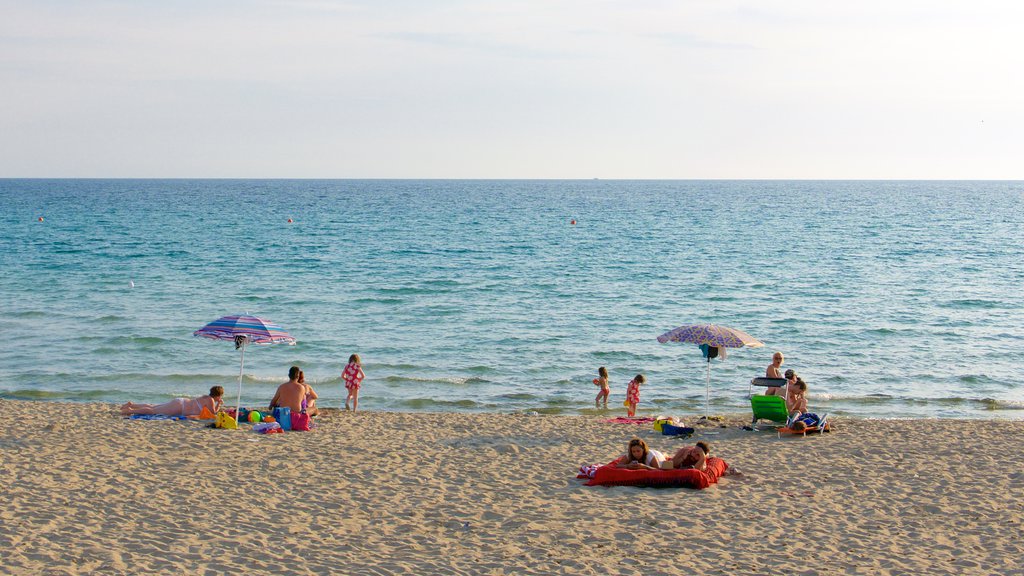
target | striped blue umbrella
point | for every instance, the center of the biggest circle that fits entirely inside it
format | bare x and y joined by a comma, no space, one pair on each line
244,330
710,335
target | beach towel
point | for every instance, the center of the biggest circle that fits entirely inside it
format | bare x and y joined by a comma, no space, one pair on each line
628,420
155,417
588,470
610,475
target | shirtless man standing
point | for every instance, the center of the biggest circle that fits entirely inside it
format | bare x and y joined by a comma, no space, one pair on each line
291,393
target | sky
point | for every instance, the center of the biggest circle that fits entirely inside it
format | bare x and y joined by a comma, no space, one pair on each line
645,89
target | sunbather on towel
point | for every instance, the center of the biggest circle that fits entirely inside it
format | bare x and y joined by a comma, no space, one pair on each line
180,406
690,457
639,457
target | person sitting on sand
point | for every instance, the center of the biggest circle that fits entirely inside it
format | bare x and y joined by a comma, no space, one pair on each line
639,457
291,394
180,406
690,457
310,400
796,399
783,390
774,369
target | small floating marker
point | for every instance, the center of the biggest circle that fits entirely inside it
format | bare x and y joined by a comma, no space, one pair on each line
40,218
131,284
289,220
573,222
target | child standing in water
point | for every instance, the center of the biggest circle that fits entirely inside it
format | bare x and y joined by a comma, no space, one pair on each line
633,394
353,377
602,381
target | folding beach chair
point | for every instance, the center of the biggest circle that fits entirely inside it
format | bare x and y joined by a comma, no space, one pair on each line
771,408
819,428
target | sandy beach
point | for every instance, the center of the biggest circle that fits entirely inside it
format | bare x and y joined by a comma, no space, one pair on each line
88,492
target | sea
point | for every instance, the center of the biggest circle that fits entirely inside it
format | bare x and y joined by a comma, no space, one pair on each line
891,299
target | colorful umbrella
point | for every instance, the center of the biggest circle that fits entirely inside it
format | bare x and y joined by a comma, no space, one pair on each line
244,330
710,335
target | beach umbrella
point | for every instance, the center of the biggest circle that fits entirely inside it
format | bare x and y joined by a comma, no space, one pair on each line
243,330
706,336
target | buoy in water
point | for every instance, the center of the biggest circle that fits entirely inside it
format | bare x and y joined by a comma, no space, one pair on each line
40,218
573,222
131,284
289,220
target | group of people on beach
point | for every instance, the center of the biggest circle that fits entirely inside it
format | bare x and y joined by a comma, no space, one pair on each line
794,390
632,390
639,456
294,394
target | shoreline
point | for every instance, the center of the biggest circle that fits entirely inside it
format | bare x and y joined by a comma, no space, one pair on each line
486,493
689,413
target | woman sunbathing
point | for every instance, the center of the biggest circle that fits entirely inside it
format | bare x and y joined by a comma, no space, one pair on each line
639,457
180,406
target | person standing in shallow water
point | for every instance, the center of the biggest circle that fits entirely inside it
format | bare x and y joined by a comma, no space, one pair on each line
602,382
353,377
633,394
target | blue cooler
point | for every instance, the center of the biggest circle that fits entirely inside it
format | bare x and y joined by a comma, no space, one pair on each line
283,415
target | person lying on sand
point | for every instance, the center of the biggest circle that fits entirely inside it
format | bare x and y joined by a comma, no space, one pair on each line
689,457
180,406
639,457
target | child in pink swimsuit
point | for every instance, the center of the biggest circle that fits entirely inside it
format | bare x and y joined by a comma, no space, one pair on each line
353,377
602,382
633,394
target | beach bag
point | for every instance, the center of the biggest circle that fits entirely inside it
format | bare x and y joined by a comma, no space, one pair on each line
225,421
300,422
283,416
267,428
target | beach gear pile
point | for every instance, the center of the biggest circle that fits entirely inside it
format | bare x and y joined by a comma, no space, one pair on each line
276,422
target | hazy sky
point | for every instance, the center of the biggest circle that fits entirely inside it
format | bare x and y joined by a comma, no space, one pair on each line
512,89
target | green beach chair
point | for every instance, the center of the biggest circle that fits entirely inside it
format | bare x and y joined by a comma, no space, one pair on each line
769,408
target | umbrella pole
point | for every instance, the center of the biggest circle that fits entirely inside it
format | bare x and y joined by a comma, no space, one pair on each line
707,390
238,400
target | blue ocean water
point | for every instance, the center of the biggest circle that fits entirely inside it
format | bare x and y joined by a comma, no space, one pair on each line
891,299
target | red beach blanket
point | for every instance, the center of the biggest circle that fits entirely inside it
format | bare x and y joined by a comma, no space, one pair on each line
610,475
